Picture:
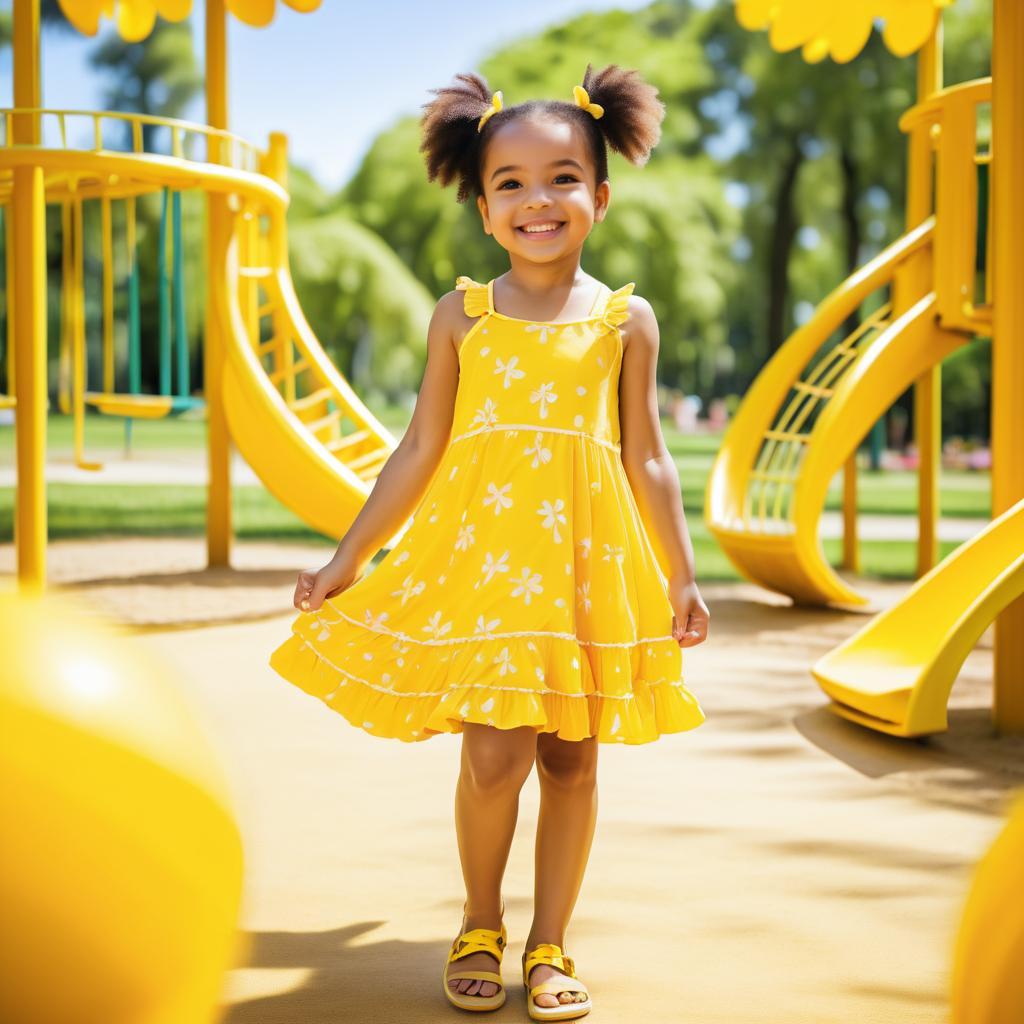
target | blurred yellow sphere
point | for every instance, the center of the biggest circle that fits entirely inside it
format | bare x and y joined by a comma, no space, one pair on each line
987,981
120,861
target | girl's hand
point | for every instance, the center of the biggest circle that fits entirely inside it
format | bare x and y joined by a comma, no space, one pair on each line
314,586
690,610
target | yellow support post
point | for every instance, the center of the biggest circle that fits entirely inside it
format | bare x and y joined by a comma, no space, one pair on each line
28,209
9,279
851,545
928,387
108,296
1008,334
218,501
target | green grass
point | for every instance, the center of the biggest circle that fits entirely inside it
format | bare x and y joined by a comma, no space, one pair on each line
91,510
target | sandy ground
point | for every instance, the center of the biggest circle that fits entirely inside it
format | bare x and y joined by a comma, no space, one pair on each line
777,864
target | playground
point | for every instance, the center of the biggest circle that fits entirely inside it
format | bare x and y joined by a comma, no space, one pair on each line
843,841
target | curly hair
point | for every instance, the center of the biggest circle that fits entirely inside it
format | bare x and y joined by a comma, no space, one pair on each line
454,149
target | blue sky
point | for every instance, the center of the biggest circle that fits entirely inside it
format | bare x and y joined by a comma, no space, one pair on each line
332,79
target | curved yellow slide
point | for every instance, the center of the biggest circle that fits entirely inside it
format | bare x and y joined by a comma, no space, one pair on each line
804,416
895,674
293,416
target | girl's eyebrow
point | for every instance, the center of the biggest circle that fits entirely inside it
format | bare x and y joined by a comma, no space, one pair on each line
554,163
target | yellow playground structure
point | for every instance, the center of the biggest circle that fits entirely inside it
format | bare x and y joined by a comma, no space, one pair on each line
954,274
270,387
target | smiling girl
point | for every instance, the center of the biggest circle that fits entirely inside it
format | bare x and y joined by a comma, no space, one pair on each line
524,607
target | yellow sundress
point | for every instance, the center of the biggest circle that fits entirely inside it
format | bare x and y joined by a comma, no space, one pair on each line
525,590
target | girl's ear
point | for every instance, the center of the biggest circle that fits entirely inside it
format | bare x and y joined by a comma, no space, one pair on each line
481,205
602,198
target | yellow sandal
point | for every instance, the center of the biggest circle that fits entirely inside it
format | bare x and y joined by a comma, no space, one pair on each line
476,940
549,953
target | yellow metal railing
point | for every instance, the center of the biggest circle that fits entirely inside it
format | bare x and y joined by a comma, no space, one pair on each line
950,120
768,501
221,147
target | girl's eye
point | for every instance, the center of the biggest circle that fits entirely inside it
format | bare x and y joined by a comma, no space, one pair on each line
512,181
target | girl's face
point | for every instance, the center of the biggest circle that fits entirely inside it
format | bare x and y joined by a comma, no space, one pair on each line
540,175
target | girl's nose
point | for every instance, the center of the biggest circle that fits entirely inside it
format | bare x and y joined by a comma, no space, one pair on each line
537,198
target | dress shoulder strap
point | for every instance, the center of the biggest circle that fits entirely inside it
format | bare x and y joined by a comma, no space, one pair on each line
476,301
616,306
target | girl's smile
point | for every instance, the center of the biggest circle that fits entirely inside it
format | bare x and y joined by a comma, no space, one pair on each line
540,229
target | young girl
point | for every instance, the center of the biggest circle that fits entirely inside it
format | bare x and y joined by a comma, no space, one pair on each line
525,606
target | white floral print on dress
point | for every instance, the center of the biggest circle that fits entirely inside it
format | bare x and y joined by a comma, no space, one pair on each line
544,395
465,539
375,621
543,330
492,565
484,627
408,589
509,370
528,584
504,662
497,496
487,415
434,627
553,515
541,454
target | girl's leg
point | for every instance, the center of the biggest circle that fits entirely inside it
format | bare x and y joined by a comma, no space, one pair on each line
495,764
565,831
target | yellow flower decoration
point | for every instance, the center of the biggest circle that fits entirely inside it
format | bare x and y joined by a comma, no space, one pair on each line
579,94
840,30
135,18
496,105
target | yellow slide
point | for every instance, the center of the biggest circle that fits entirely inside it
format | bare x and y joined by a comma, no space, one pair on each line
293,416
804,416
895,674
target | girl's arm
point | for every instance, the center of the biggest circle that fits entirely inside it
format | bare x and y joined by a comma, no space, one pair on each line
404,478
652,472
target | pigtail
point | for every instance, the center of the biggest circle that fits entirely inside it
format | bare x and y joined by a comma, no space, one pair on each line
632,117
450,140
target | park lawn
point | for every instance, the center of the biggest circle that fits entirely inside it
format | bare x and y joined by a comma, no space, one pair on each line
133,510
90,510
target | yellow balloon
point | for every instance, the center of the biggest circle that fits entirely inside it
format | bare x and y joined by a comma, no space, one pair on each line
120,862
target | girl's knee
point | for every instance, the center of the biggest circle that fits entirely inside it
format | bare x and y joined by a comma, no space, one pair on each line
497,759
566,763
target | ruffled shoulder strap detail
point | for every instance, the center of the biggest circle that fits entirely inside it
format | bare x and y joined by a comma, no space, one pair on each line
616,307
475,301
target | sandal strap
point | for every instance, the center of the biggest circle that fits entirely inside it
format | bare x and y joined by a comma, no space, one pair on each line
547,953
474,976
479,940
556,985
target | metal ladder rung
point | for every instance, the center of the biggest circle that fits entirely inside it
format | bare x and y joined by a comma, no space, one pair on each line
267,309
255,271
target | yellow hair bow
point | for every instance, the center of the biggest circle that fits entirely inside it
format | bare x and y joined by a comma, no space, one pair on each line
496,105
583,100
